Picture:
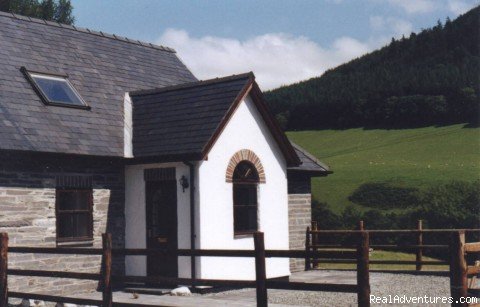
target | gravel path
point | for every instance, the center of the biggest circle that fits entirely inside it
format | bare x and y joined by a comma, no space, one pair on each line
382,284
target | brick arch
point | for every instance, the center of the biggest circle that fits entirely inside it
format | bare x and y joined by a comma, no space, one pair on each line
245,155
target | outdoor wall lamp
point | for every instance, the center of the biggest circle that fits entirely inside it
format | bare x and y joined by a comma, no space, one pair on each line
184,183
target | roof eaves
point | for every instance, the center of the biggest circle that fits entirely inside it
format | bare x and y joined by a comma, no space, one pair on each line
311,157
278,133
228,115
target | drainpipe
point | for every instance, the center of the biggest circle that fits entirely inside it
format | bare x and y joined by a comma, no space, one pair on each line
192,222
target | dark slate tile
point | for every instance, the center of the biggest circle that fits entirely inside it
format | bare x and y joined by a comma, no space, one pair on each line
182,119
101,67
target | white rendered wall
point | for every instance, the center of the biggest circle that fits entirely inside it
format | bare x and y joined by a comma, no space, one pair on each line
127,126
245,130
135,229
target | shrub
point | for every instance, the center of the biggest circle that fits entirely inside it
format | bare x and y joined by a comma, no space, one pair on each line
384,195
326,219
452,205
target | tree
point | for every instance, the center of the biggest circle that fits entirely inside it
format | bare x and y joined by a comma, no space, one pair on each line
429,78
54,10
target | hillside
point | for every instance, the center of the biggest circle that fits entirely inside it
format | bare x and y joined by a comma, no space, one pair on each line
419,157
430,78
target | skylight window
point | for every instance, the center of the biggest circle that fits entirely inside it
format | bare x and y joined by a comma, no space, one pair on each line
55,89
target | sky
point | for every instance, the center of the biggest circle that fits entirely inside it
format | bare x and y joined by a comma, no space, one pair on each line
281,41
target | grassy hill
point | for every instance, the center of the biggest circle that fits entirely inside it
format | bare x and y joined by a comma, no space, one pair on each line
410,157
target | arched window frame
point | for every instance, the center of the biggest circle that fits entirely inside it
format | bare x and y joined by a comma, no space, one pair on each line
245,155
245,181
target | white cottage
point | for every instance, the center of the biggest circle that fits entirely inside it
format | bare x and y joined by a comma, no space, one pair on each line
105,134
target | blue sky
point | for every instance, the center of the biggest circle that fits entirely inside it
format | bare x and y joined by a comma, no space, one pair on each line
281,41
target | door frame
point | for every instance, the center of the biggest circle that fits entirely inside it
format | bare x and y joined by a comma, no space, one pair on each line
159,176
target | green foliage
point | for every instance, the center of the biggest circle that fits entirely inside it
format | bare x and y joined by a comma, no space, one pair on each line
54,10
326,218
445,206
430,78
384,195
452,205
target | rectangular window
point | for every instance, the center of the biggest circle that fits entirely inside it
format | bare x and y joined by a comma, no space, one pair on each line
74,210
245,208
55,89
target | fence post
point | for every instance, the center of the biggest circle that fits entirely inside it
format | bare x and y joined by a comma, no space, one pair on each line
3,269
363,275
419,255
360,225
107,270
458,268
307,249
315,239
260,270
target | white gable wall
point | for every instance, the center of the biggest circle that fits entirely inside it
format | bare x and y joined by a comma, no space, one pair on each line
245,130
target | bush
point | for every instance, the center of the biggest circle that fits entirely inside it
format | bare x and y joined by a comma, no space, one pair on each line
452,205
326,219
445,206
384,195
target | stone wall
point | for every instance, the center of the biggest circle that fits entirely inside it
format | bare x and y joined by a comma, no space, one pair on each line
300,217
27,214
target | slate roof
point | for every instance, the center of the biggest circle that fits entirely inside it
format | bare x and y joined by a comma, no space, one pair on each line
184,121
180,120
310,163
101,67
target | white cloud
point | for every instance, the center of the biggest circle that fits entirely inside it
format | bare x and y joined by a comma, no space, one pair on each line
391,26
415,6
275,58
456,7
459,6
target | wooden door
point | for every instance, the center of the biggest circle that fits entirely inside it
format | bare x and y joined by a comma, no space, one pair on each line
161,212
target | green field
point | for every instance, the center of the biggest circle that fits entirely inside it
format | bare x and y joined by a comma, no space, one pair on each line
412,157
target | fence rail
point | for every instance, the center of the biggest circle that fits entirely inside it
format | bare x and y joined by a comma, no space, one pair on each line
457,253
356,253
261,283
314,243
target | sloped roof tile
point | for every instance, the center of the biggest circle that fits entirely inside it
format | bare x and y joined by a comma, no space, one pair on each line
101,67
179,120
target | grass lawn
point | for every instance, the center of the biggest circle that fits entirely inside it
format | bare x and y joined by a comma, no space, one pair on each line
412,157
387,255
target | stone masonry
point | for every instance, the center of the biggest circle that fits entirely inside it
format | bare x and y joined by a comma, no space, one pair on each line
27,214
300,217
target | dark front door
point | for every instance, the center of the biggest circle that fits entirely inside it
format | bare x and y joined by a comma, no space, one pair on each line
161,213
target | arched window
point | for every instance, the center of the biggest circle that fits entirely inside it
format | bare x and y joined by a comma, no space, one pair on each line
245,181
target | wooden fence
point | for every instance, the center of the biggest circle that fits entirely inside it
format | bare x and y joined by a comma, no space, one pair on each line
461,271
360,256
314,242
463,268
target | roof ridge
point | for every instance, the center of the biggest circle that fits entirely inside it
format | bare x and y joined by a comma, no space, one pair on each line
86,30
191,84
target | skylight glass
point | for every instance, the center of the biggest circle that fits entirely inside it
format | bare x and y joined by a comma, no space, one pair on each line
57,90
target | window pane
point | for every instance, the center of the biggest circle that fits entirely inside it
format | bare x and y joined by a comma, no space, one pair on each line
245,171
81,225
73,200
244,194
65,226
57,90
245,219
